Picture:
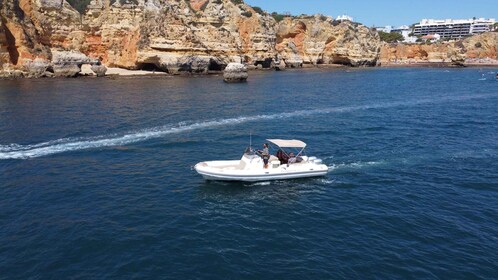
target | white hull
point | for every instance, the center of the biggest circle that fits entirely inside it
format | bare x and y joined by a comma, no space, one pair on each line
250,169
259,178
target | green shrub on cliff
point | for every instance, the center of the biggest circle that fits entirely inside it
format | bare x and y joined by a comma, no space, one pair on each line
392,37
278,17
259,10
247,14
237,2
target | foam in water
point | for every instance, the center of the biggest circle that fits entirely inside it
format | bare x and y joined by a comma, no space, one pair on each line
16,151
261,184
355,165
326,181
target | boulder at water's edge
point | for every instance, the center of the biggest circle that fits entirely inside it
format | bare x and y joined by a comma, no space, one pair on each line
99,70
235,73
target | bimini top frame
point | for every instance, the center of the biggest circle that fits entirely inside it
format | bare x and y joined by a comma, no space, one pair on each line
294,144
288,143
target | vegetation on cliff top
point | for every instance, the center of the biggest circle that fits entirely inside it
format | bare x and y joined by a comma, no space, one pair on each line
392,37
279,17
247,14
259,10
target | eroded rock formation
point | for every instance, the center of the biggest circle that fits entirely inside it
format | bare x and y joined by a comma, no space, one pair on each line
175,36
99,70
197,36
235,73
320,40
170,35
481,47
476,49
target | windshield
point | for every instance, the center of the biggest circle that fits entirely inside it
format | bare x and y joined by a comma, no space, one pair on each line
249,151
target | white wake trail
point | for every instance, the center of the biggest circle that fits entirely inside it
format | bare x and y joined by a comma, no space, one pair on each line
355,165
16,151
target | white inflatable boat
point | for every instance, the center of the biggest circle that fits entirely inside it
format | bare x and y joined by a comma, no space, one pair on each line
251,168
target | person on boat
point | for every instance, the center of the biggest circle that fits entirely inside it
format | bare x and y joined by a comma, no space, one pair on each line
265,154
282,157
292,158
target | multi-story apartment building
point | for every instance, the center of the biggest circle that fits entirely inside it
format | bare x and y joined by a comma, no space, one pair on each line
453,29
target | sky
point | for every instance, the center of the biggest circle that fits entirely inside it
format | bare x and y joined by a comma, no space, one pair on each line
385,12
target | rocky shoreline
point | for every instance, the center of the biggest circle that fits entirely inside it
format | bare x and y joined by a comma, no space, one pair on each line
124,73
478,50
172,36
438,65
51,38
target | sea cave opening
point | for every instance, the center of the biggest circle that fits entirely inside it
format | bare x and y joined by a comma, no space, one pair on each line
214,65
11,46
149,67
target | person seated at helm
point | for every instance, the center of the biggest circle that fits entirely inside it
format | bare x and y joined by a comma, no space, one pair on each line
282,157
292,158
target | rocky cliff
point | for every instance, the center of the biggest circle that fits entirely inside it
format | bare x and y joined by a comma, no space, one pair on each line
172,36
479,49
175,36
321,40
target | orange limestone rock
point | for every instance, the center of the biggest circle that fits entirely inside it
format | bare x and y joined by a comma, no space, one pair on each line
198,36
197,5
478,49
484,46
420,53
176,36
321,40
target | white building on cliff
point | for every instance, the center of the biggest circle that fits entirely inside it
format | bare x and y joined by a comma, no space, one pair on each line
404,30
453,28
344,18
407,33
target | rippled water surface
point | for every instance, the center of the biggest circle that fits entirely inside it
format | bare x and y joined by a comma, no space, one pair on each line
95,178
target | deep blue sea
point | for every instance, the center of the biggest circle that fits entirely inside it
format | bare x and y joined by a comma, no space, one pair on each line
96,179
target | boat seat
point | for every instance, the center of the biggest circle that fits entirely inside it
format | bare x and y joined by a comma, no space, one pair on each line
241,165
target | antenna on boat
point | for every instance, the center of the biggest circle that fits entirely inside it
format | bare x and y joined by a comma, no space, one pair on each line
250,140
